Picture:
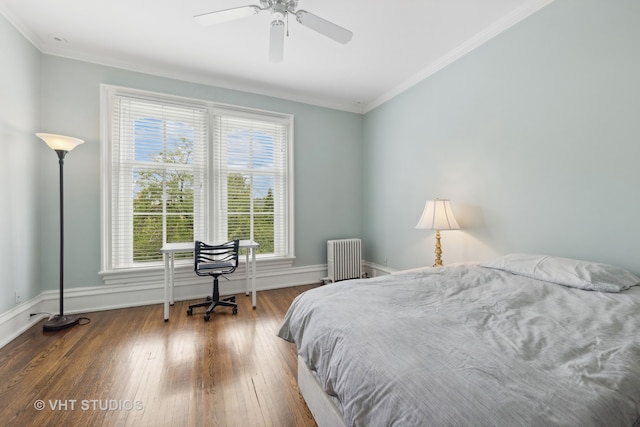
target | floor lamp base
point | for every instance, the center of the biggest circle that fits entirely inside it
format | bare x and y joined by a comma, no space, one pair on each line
60,322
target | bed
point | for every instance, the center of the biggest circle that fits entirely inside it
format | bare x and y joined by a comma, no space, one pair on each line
523,340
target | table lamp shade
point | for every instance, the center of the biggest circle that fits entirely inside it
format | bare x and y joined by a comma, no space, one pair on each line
437,215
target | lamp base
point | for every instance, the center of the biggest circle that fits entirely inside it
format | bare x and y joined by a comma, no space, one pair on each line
60,322
438,250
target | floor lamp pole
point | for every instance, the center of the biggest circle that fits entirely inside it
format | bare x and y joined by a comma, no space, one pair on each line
62,145
61,155
61,321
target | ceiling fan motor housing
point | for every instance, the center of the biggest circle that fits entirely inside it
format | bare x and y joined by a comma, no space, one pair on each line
279,6
278,10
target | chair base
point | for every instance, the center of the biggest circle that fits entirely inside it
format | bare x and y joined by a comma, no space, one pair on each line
211,303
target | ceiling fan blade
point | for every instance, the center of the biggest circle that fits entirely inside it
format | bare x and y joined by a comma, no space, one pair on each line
324,27
276,41
226,15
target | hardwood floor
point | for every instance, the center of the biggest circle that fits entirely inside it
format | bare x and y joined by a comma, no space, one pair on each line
129,367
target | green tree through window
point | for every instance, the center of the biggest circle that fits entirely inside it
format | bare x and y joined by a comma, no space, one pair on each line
247,213
163,205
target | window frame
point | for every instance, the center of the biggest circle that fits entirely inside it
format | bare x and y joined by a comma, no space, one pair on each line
117,275
285,209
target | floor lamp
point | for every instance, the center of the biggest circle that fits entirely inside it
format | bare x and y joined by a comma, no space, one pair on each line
61,145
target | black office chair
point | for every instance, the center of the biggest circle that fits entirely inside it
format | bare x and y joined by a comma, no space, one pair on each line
215,261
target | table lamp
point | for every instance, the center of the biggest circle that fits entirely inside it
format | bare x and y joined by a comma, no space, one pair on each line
437,215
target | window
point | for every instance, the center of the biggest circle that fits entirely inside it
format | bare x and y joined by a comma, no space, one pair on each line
180,170
251,185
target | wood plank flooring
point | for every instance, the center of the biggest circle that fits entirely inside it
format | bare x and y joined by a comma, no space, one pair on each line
128,367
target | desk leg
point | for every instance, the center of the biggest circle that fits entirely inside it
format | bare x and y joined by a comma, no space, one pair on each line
172,279
166,286
253,277
246,273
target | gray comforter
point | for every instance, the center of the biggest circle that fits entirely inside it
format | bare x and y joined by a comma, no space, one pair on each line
471,346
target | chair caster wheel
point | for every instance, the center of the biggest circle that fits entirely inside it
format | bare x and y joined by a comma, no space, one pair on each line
208,298
235,310
189,312
206,317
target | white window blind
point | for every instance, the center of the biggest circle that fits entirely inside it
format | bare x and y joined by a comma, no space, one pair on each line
251,175
159,177
179,170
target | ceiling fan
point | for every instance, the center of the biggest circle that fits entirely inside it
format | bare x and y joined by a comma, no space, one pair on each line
279,10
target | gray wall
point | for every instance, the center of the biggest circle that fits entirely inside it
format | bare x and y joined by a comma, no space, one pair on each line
534,137
327,162
20,212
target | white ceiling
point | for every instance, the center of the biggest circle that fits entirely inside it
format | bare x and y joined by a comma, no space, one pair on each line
395,43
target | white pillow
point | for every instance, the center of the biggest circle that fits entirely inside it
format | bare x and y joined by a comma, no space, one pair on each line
585,275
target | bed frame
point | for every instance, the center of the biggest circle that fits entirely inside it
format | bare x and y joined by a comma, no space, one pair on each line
325,408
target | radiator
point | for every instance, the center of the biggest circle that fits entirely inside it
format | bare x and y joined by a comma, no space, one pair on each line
344,259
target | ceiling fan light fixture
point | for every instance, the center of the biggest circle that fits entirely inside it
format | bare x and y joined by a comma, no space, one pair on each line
276,41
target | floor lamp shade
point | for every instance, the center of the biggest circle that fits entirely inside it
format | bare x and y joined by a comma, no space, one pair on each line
59,142
438,215
61,145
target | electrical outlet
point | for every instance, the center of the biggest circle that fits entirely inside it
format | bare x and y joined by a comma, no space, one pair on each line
18,298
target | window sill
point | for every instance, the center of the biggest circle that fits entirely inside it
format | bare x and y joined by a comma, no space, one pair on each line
183,270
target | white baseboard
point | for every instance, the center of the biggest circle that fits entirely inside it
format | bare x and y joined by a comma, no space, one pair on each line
108,297
374,270
18,319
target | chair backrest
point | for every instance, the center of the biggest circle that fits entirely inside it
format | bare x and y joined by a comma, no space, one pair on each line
215,260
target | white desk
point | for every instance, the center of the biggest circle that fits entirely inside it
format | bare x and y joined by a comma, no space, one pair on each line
168,253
